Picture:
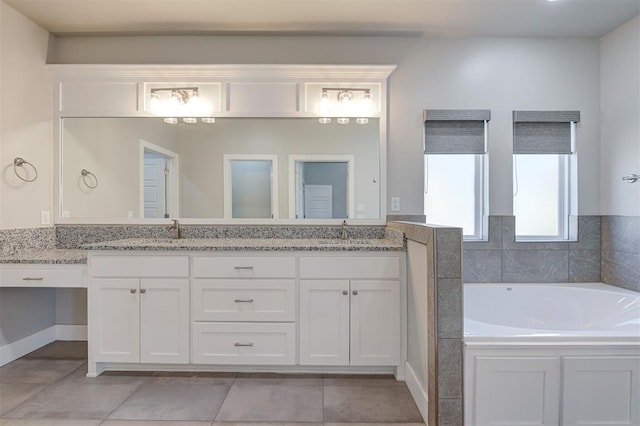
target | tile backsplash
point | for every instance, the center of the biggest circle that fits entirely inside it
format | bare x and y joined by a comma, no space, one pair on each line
16,241
620,254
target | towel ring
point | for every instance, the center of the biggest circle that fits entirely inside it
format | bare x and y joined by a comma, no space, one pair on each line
20,162
88,181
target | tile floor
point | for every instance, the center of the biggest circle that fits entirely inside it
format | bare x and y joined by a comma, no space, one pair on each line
48,387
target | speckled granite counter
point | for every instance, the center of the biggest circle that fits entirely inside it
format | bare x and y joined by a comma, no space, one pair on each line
48,256
249,244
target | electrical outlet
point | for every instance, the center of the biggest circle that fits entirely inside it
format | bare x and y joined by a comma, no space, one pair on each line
45,217
395,204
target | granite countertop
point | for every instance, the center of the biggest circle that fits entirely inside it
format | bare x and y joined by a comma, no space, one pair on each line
248,244
48,256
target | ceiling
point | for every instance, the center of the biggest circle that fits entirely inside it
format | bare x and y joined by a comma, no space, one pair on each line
559,18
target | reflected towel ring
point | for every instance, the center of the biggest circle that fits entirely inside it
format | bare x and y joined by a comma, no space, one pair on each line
88,181
20,162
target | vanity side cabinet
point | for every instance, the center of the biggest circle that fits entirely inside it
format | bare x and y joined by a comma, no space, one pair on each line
354,320
137,316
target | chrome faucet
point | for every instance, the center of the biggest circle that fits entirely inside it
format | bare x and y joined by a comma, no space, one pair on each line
175,229
344,232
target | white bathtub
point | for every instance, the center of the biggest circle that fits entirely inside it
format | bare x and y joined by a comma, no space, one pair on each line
551,354
550,311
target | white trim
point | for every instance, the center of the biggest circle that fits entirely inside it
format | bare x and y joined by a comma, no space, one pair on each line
349,159
19,348
416,390
174,186
227,158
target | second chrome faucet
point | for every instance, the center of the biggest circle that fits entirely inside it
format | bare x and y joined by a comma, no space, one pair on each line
175,229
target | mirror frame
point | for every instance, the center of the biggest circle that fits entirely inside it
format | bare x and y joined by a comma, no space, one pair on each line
83,90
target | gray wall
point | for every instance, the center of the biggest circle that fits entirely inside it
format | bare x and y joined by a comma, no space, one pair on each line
501,259
334,174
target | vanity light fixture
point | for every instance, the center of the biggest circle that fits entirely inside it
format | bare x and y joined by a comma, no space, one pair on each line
171,120
342,120
324,120
347,101
190,120
208,120
182,95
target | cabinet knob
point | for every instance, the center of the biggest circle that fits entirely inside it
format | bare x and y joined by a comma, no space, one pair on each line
355,292
133,291
143,290
345,292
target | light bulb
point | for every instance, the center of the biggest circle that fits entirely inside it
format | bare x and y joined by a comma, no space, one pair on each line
208,120
171,120
362,120
324,102
190,120
324,120
342,120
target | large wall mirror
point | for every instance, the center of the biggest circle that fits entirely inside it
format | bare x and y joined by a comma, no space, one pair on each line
284,169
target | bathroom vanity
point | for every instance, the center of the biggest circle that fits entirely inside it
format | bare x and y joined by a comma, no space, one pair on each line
247,305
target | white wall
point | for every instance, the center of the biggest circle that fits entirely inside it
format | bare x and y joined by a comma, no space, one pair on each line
500,74
620,119
26,114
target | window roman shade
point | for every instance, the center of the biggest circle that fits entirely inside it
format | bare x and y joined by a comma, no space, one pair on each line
543,132
455,131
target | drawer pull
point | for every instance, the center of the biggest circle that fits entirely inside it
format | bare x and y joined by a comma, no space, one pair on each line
133,291
240,268
143,290
243,300
243,344
32,279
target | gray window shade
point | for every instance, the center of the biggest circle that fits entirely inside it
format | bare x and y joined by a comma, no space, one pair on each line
543,132
455,131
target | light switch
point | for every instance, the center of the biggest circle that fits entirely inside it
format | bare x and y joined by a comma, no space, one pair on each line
45,217
395,204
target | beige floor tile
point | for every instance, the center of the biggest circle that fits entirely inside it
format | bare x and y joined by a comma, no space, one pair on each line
152,423
361,380
79,376
73,401
271,403
172,402
48,422
374,424
42,371
61,350
14,394
373,404
267,424
258,379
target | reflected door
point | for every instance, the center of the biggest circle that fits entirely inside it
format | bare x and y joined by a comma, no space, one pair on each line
318,201
154,185
251,189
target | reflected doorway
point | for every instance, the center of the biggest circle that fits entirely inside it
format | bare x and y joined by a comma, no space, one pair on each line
322,188
158,183
250,192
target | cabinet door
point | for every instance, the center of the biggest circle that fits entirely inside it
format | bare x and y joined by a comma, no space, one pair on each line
114,318
375,322
164,320
601,390
516,391
324,322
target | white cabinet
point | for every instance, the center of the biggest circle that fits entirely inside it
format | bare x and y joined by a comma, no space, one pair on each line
140,320
243,310
139,308
349,322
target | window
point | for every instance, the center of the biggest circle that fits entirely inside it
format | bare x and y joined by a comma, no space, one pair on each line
455,169
544,169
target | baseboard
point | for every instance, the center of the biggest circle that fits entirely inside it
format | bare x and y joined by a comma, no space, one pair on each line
12,351
71,332
417,392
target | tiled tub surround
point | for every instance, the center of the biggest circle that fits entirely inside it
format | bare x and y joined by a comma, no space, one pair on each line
444,329
620,255
502,259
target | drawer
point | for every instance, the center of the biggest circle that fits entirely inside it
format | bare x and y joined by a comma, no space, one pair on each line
243,300
42,278
244,267
350,267
243,343
139,266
